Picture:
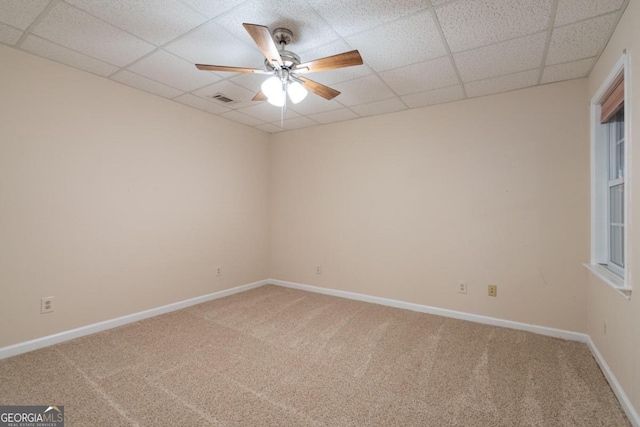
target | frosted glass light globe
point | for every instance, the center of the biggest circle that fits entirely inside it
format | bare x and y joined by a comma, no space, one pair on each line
297,92
271,87
277,99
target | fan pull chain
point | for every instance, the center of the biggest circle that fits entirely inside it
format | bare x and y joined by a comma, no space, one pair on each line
282,116
284,106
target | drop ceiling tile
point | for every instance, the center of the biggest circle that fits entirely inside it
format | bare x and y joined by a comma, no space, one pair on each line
241,118
46,49
267,112
241,96
21,13
201,104
297,123
271,128
403,42
338,75
315,104
433,97
212,44
570,11
353,16
468,24
580,40
309,29
143,83
363,90
156,21
420,77
332,48
503,58
569,70
250,81
502,84
380,107
9,35
167,68
339,115
211,9
70,27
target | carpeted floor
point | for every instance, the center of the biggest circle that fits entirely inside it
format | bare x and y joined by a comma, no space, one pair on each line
277,356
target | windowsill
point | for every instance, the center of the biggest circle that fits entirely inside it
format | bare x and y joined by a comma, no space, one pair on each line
611,279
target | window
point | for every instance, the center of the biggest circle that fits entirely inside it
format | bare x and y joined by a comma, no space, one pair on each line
615,187
609,182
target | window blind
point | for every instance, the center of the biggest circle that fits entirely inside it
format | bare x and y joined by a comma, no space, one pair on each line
613,101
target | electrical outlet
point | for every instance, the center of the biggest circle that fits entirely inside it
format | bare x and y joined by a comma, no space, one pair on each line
462,287
218,271
493,290
318,269
46,305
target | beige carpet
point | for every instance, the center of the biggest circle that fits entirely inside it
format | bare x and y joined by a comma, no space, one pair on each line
277,356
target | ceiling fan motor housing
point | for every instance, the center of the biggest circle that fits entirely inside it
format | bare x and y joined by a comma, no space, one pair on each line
289,59
283,37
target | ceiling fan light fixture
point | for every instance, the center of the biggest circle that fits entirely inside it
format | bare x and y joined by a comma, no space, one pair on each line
272,87
277,99
297,92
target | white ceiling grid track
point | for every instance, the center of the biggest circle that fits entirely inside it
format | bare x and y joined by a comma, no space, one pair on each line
415,52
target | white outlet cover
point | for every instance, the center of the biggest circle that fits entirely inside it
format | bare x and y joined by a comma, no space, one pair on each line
46,305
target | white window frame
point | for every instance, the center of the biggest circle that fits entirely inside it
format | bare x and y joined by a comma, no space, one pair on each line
599,182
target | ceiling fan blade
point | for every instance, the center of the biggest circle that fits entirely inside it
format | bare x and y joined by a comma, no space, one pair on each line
260,96
341,60
262,36
324,91
205,67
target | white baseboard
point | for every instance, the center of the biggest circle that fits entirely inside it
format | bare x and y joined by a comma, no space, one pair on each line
541,330
37,343
625,403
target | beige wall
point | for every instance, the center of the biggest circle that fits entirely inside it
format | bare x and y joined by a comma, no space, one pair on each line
621,345
403,206
116,201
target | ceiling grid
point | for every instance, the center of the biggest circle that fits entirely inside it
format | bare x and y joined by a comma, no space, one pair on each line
416,52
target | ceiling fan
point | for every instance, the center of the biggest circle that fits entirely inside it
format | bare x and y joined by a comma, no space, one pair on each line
285,68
